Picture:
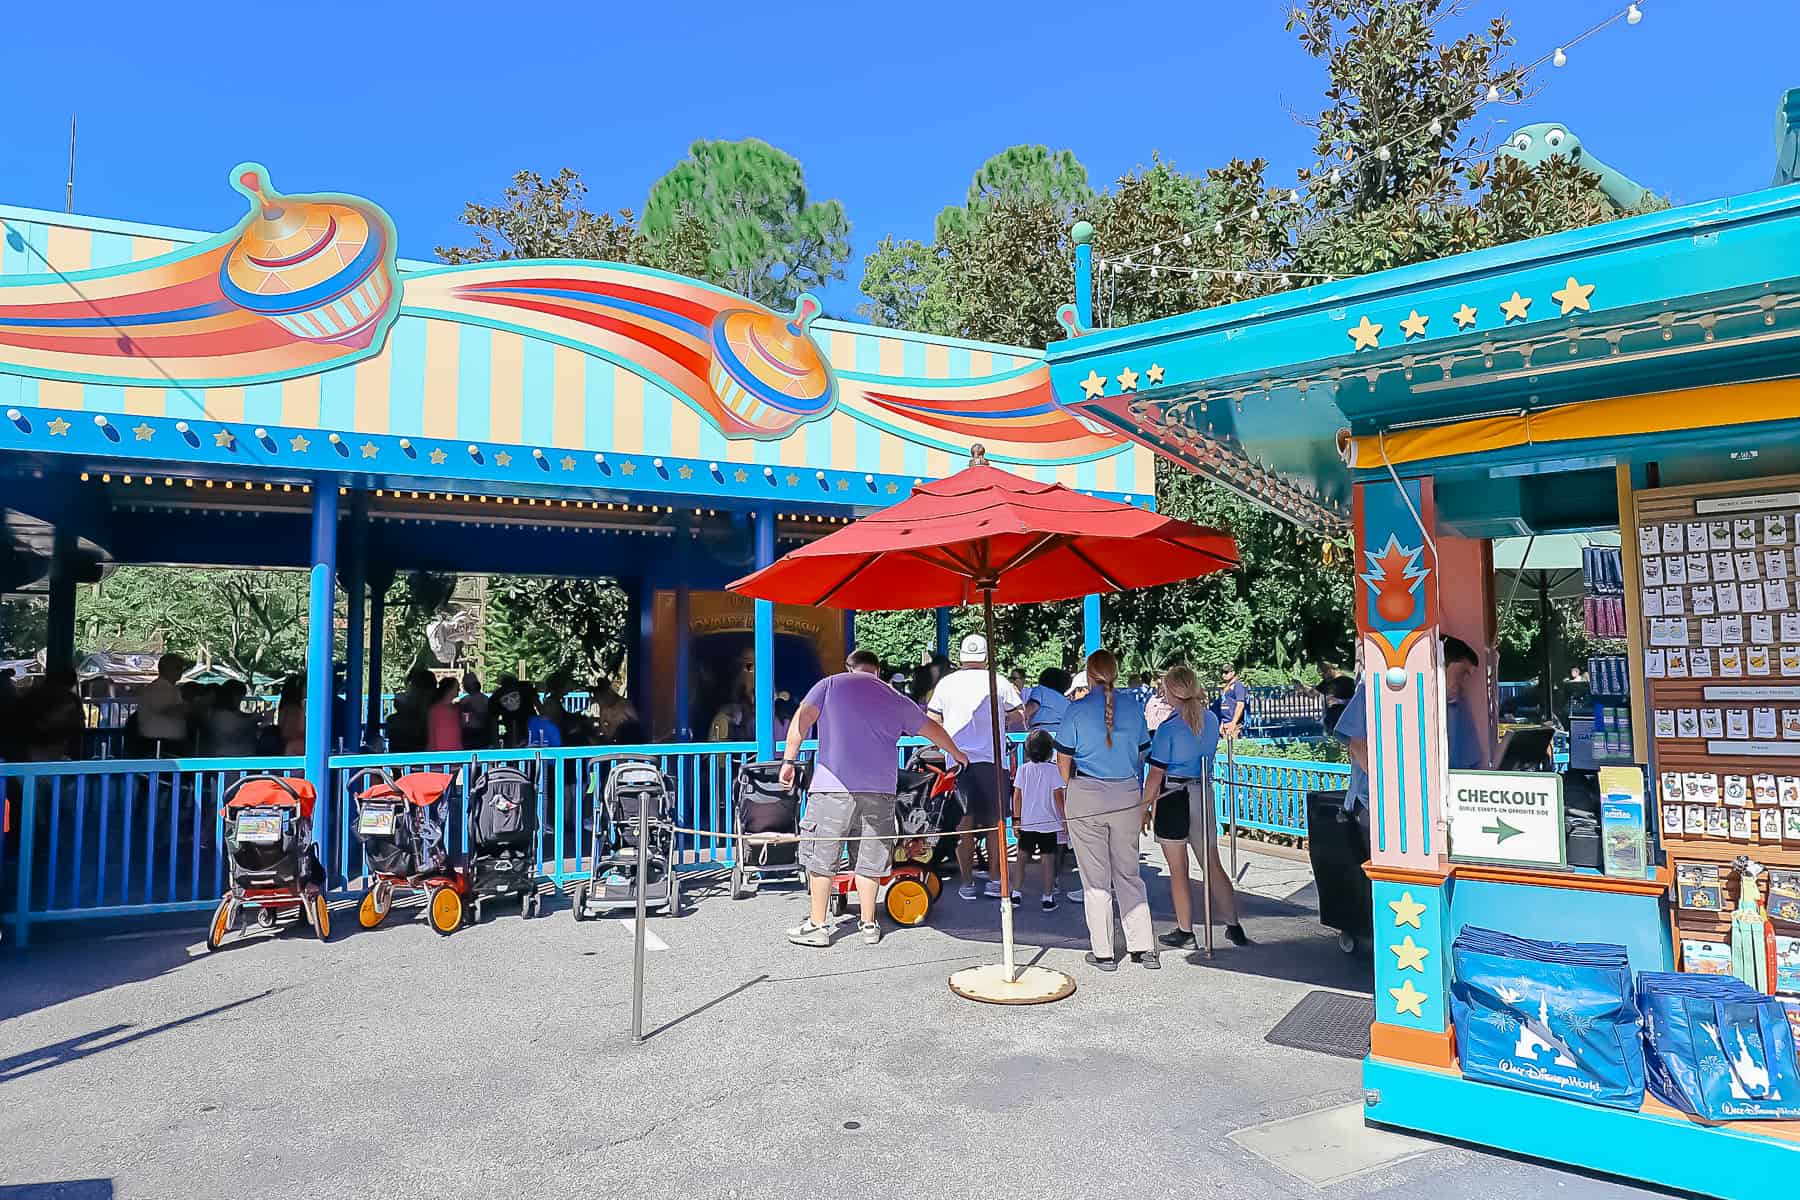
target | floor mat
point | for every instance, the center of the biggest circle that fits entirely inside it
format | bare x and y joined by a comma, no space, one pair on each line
1329,1023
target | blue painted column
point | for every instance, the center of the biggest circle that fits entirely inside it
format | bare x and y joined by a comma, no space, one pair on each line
943,632
356,572
380,580
765,641
59,652
320,614
1090,625
643,655
684,634
849,637
1083,235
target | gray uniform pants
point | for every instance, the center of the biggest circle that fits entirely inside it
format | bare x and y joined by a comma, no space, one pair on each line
1106,848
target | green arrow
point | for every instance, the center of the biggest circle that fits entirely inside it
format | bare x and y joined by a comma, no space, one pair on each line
1501,830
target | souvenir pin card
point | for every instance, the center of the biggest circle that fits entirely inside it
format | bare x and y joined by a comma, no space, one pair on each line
1673,541
1790,824
1675,569
1747,567
1652,599
1762,725
1700,663
1790,626
1709,787
1718,535
1751,596
1718,825
1788,790
1784,895
1737,723
1731,662
1721,566
1696,535
1697,570
1756,660
1734,627
1712,723
1712,631
1727,593
1665,723
1694,820
1763,789
1701,600
1774,529
1790,660
1790,724
1768,825
1678,662
1775,564
1737,789
1649,541
1775,594
1673,604
1743,533
1762,629
1698,887
1741,821
1655,667
1687,723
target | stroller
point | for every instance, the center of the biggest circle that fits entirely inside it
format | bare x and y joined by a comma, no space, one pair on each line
502,820
618,841
761,805
274,863
403,824
924,791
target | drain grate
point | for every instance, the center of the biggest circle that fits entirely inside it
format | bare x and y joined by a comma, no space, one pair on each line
1329,1023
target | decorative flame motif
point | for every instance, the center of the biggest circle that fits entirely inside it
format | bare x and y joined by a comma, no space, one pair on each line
1393,577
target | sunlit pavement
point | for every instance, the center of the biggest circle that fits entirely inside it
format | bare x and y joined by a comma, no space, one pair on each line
498,1063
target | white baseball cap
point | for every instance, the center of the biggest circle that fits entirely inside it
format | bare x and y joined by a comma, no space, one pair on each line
974,648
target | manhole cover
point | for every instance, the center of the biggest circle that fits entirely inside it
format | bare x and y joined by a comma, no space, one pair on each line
1328,1022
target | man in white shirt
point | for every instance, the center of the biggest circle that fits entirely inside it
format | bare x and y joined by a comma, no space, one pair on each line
162,715
963,704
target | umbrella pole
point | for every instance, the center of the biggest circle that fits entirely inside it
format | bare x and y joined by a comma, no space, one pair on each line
1003,795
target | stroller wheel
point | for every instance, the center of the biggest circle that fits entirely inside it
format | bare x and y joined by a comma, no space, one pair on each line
374,907
265,917
578,901
908,901
224,917
445,908
318,915
934,884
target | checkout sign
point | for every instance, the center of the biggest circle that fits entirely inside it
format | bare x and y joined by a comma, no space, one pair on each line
1513,817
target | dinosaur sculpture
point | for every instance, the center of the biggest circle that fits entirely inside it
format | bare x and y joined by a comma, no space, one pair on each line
1532,144
1787,139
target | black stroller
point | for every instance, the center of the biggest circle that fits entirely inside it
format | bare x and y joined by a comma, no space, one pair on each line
503,834
759,804
618,841
274,862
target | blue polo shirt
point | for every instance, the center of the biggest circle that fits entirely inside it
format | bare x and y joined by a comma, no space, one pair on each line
1182,752
1082,736
1353,722
1234,694
1051,705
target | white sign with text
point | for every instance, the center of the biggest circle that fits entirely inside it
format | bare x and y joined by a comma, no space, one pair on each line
1513,817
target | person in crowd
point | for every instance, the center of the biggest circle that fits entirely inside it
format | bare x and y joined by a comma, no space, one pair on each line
1335,689
511,708
1037,806
290,715
924,679
1016,677
963,703
1100,749
1047,699
444,720
610,711
899,682
408,725
1158,707
1233,704
230,732
1179,807
52,718
861,720
1466,748
477,715
545,727
163,710
735,720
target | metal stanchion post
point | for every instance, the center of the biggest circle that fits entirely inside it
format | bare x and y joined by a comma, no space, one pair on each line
1209,812
637,954
1231,798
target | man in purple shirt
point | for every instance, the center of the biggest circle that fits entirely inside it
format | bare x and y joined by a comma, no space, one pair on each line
861,721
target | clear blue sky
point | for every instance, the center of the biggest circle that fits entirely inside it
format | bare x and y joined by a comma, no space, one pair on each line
890,107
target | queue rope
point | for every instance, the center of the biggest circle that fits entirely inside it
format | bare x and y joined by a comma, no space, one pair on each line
781,839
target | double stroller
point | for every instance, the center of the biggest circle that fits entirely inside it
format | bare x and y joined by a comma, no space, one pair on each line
631,787
273,860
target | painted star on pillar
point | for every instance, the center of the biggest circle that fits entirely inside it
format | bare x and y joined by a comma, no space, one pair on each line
437,457
1408,999
225,438
893,488
503,459
1094,385
58,427
1464,316
843,485
143,431
1410,954
370,449
1366,334
1128,380
1154,374
1515,309
1573,297
793,480
741,475
685,472
1407,911
568,464
1413,325
628,468
299,445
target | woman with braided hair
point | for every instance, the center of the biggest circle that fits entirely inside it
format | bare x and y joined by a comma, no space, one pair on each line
1183,813
1101,744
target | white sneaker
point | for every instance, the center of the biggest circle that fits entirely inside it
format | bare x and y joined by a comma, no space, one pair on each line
1077,895
871,933
969,891
808,934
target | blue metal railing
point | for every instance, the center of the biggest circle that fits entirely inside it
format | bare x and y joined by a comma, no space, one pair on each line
1270,793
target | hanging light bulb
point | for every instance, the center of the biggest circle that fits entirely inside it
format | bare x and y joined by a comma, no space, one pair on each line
1293,195
1336,175
1187,239
1633,15
1493,93
1436,127
1256,212
1383,154
1559,59
1218,228
1156,250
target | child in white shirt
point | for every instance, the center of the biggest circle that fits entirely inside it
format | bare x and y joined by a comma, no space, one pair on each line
1037,806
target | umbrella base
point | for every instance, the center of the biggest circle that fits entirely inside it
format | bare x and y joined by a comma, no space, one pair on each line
1032,985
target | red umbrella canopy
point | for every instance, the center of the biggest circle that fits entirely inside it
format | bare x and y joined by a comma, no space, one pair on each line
983,528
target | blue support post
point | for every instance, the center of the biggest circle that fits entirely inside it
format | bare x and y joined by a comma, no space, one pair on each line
943,632
321,613
849,634
638,685
765,641
684,717
59,653
1083,236
355,578
1090,625
379,581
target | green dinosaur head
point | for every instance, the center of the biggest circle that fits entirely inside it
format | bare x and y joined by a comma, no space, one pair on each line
1532,144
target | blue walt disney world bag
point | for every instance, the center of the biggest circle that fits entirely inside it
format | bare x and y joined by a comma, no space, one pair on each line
1718,1048
1551,1017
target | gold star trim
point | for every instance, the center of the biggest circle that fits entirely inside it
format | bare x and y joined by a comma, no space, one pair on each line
224,438
793,480
58,427
1408,1000
299,445
142,431
843,485
1573,297
1154,374
628,468
1366,334
741,475
1094,385
893,488
1464,316
568,464
1411,955
685,472
370,449
503,459
1413,325
437,457
1128,380
1407,911
1516,308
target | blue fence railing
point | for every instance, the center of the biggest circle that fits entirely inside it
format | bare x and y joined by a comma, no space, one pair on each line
124,837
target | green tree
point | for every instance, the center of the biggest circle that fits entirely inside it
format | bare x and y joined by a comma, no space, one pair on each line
903,287
251,621
545,218
569,628
1020,175
770,241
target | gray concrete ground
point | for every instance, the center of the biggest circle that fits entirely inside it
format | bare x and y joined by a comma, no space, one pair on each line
498,1063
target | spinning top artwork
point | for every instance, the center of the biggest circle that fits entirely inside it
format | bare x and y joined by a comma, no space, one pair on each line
766,370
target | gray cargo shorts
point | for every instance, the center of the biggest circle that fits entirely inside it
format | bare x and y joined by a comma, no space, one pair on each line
835,815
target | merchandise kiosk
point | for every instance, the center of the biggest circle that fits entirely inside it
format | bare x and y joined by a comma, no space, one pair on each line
1554,955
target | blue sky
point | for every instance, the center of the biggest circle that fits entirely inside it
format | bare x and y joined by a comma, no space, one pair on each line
890,107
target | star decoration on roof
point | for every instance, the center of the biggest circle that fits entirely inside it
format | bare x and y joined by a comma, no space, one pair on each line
1154,374
1366,334
299,445
1407,911
143,431
685,472
437,457
741,475
1464,316
893,488
58,427
225,438
1408,999
568,463
1128,380
503,459
370,450
793,480
1094,385
1573,297
843,485
1413,325
1410,954
1515,308
628,468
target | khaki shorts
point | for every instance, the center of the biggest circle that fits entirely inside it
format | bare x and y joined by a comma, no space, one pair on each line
832,816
